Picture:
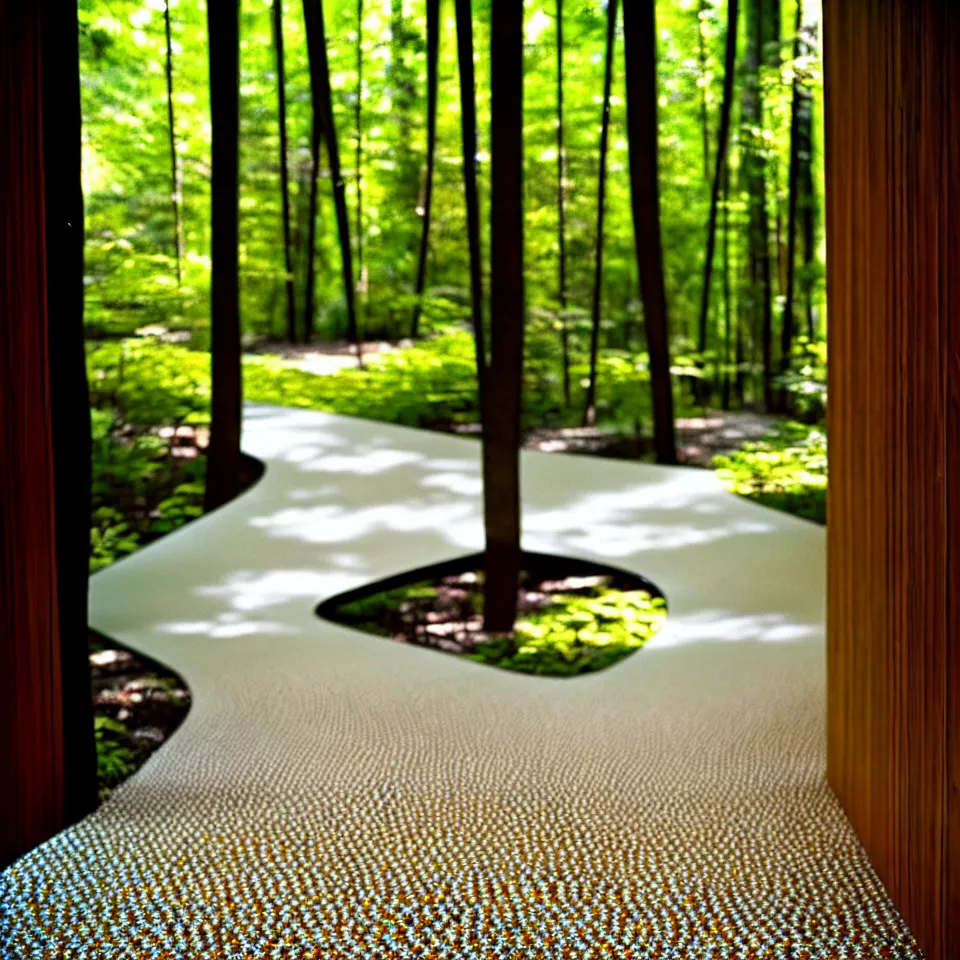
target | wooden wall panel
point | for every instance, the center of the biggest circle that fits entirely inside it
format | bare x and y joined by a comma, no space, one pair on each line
894,512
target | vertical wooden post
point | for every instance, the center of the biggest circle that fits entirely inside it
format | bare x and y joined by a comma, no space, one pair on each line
893,533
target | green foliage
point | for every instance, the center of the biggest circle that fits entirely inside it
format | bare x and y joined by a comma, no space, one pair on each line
116,751
787,470
577,634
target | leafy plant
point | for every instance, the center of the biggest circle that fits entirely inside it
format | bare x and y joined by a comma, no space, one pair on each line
787,470
116,751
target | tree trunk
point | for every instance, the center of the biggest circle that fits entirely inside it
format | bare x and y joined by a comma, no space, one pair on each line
590,405
47,758
358,123
562,212
284,173
223,456
433,49
640,54
727,308
787,328
176,189
761,308
808,200
729,69
468,122
323,108
310,284
704,119
502,388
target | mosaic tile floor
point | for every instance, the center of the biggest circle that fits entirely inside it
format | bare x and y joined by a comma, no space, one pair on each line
334,795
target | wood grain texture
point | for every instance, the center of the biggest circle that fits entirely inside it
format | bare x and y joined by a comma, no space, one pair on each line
31,731
893,524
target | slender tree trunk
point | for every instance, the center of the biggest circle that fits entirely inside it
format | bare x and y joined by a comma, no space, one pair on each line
727,306
640,54
590,406
223,457
759,231
323,108
808,200
358,122
787,328
468,122
284,173
176,189
503,386
562,212
433,50
704,118
726,107
309,309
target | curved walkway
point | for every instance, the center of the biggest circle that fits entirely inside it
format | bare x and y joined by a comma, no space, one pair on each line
335,795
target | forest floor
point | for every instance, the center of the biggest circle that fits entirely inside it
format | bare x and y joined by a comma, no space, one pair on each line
699,439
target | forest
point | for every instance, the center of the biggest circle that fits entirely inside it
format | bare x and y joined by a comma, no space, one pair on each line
361,241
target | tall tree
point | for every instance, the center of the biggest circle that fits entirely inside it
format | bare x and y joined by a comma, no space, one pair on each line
807,196
727,290
640,55
323,109
590,405
176,187
358,123
704,109
284,171
502,387
468,123
47,757
311,253
223,458
562,213
787,324
723,136
433,49
754,164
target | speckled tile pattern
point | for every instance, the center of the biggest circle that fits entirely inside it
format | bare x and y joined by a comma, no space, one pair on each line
334,795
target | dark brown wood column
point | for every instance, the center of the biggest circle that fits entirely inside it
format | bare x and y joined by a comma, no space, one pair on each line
892,75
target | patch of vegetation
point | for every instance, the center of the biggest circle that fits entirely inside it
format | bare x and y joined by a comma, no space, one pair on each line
787,470
137,704
565,626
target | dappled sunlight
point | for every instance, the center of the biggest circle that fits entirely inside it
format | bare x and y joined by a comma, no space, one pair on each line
225,626
728,627
252,590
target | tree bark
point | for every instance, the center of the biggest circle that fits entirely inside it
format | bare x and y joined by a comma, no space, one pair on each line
468,123
502,389
562,212
47,756
590,405
727,307
704,119
433,49
311,277
223,456
761,307
358,122
640,54
323,108
284,173
726,107
787,326
176,189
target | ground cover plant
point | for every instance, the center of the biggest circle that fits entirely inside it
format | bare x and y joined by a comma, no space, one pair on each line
573,617
137,705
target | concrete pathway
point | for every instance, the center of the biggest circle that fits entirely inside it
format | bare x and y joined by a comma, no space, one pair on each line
337,795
